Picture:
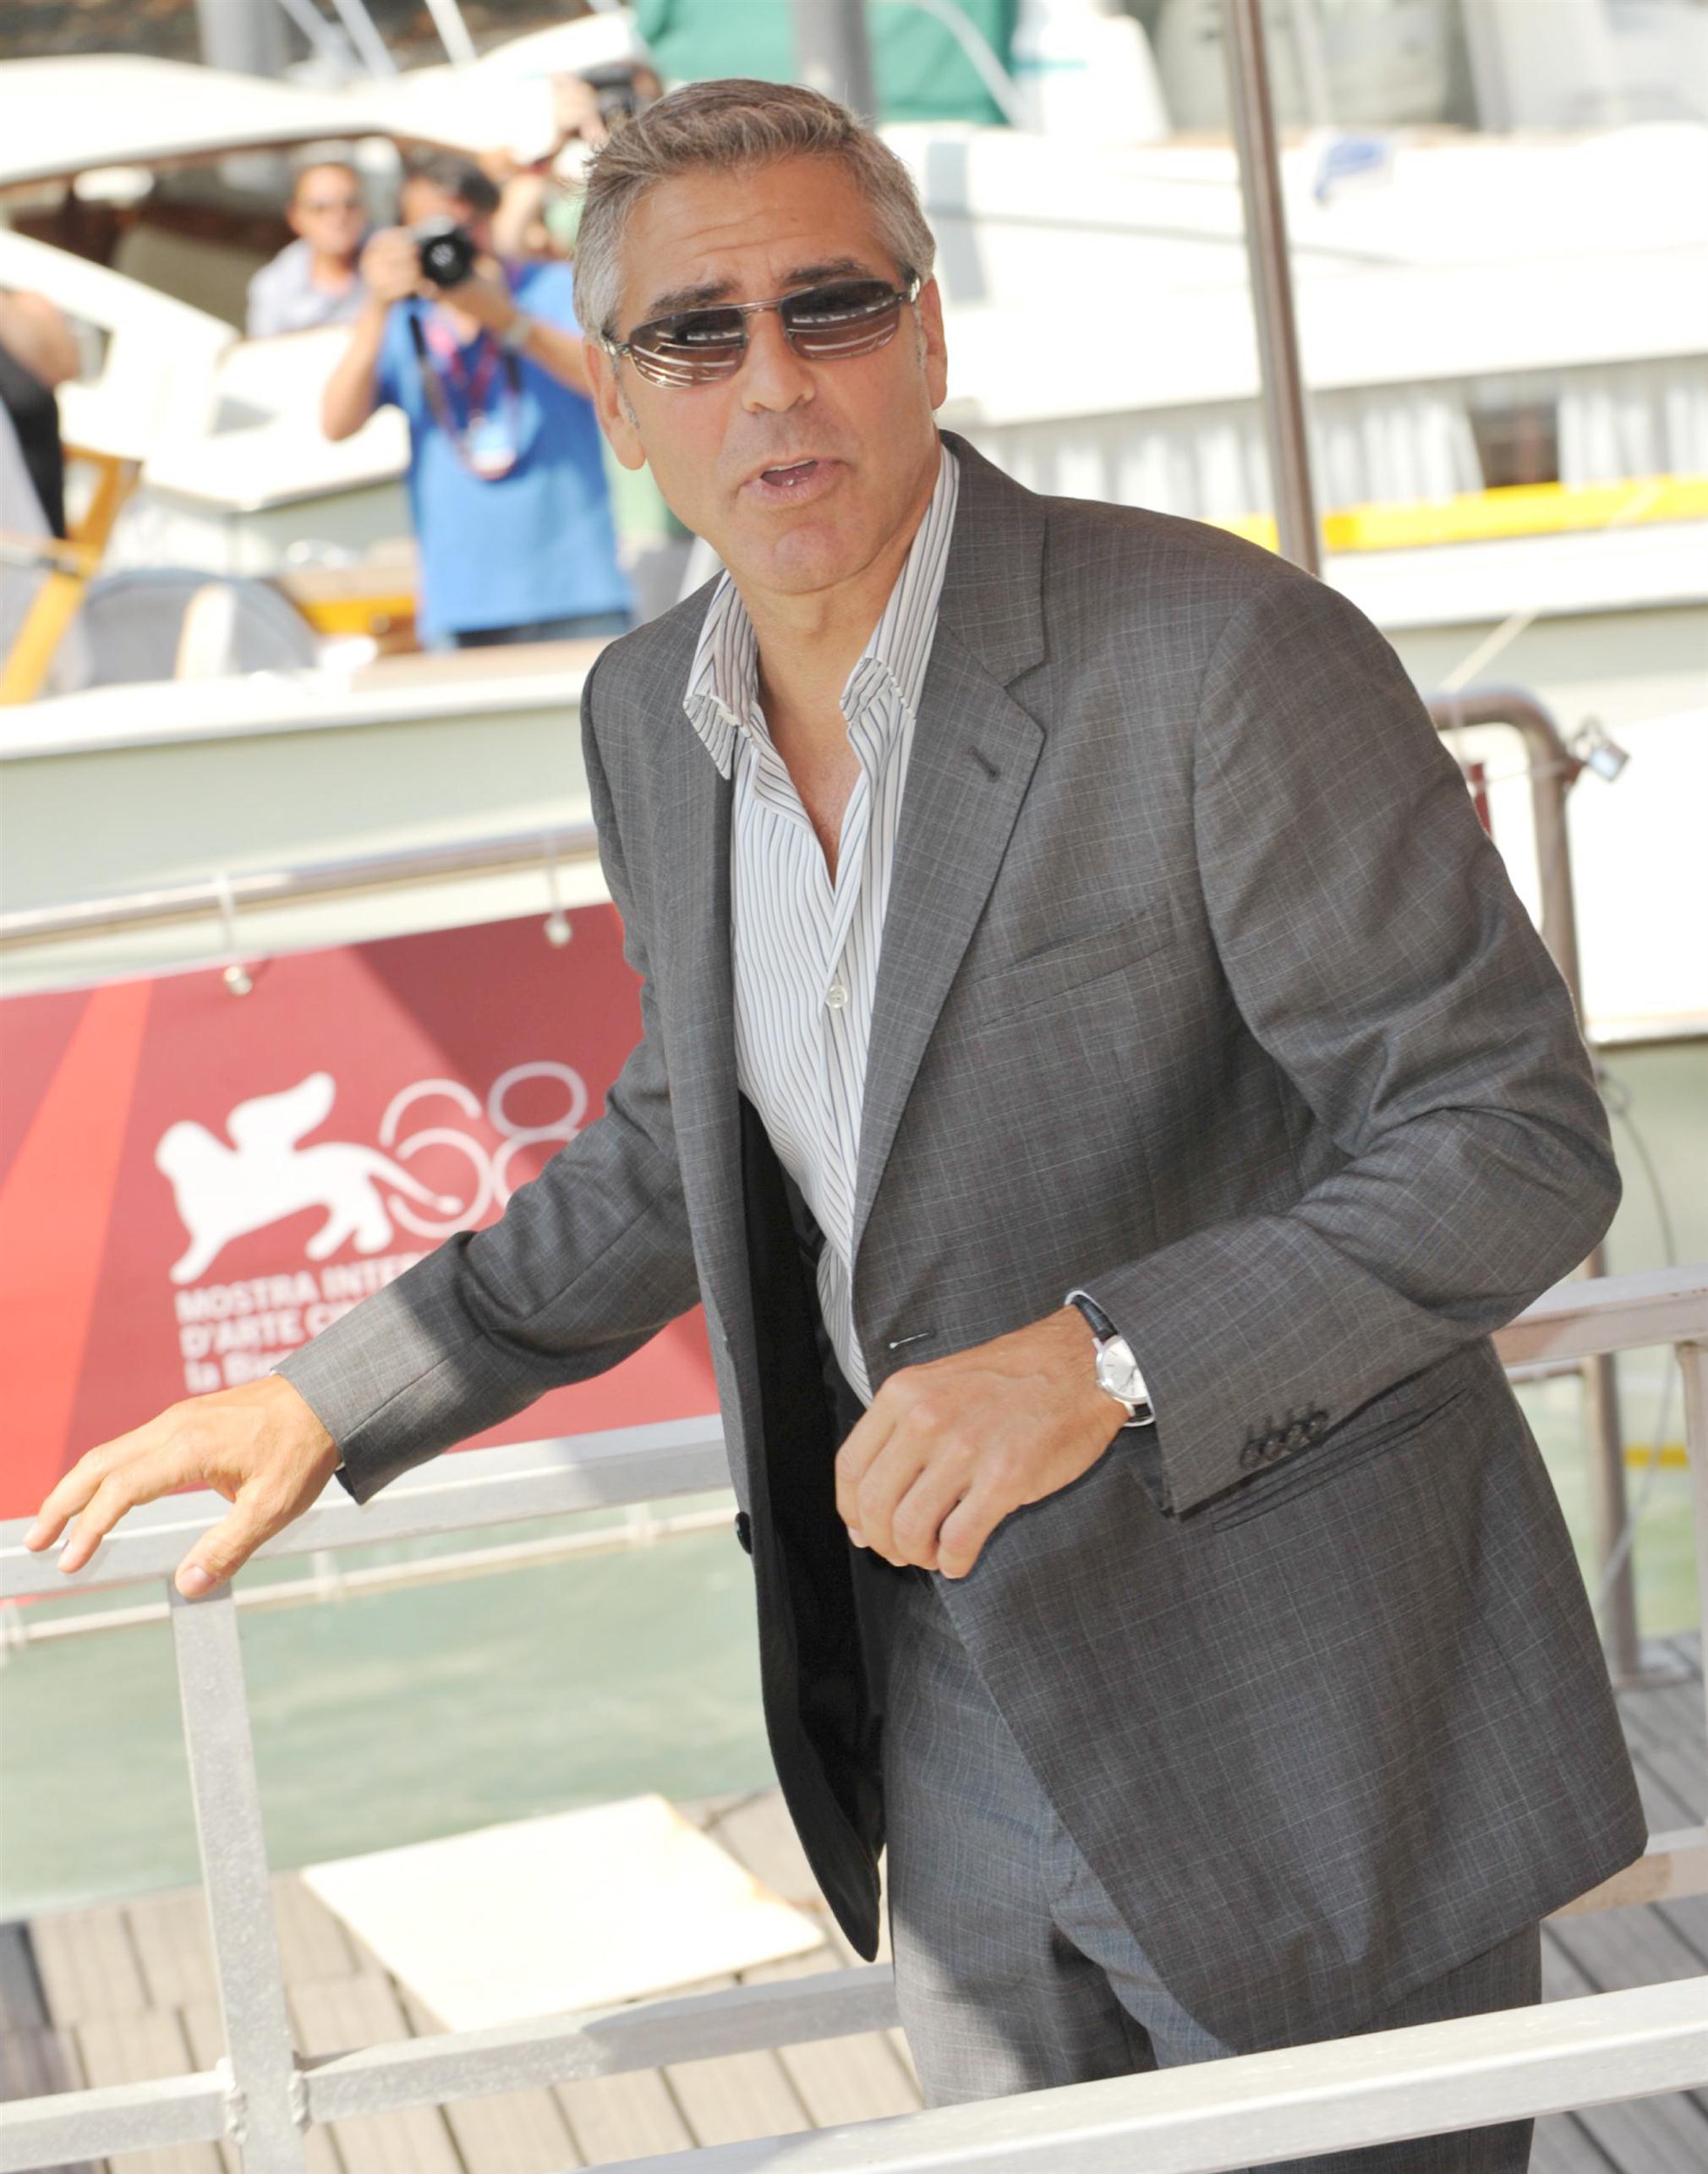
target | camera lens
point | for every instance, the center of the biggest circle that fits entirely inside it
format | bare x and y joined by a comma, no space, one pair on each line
448,252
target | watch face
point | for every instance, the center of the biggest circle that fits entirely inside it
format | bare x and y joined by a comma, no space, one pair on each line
1117,1371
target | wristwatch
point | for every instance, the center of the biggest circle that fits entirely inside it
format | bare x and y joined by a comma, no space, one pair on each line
518,332
1117,1370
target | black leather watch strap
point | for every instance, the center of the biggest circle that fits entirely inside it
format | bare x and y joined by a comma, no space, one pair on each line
1101,1325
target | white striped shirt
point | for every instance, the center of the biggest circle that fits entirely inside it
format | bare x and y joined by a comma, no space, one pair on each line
805,949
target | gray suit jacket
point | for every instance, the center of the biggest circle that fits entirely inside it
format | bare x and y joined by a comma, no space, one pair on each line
1201,986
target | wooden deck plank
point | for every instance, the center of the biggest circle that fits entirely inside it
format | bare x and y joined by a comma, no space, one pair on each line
1562,2145
313,1942
170,1934
506,2132
516,2133
21,2004
86,1964
131,2048
734,2096
1663,2135
841,2079
1636,1946
631,2117
1675,1765
759,1832
1665,1806
334,2015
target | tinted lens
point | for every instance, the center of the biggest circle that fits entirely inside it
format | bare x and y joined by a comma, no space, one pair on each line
849,318
690,348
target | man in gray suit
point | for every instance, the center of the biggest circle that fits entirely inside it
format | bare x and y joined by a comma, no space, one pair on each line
1100,1268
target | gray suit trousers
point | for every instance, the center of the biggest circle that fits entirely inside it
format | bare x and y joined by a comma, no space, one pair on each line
1013,1972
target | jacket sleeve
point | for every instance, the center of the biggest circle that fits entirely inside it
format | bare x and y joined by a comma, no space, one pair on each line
1376,948
589,1259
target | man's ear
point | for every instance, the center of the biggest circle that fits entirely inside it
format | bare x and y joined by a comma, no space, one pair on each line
617,419
930,307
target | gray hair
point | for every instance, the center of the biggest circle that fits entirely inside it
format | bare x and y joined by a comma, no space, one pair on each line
733,121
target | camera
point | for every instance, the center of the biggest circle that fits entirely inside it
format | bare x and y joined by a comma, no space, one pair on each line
448,251
614,86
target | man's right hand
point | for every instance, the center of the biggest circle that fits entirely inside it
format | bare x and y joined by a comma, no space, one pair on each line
259,1445
391,266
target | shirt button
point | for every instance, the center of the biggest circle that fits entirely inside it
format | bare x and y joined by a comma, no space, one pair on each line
836,996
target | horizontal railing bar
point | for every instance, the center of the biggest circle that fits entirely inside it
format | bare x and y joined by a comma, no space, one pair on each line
16,1628
508,1484
558,2049
762,2019
1575,1319
1584,1317
260,887
543,2050
66,2126
1255,2109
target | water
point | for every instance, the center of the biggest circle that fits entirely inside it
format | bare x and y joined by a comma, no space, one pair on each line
391,1717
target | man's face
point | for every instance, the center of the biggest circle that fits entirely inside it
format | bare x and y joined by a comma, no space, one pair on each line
865,421
327,210
419,201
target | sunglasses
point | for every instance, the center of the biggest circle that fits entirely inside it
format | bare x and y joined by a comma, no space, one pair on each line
330,204
822,324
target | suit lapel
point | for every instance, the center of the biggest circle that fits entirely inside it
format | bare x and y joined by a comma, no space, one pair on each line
974,751
692,810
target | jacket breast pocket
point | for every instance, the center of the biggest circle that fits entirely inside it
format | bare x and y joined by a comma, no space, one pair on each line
1074,963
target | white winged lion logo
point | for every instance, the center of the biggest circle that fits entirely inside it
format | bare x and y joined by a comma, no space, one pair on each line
225,1192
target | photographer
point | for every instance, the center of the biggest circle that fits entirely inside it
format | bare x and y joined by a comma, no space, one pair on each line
314,280
506,482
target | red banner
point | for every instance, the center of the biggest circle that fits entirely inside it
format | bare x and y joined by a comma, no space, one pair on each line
194,1182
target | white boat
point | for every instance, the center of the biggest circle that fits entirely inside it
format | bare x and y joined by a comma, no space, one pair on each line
1466,291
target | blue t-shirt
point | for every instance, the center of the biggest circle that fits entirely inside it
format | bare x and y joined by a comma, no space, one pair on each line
537,543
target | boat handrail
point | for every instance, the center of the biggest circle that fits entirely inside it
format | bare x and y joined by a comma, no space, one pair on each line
1554,771
261,2097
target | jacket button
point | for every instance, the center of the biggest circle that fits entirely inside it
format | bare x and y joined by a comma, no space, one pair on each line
744,1530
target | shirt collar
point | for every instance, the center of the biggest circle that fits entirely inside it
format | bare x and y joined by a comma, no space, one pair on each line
722,694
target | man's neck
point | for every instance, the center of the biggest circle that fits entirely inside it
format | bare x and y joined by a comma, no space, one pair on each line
809,644
334,273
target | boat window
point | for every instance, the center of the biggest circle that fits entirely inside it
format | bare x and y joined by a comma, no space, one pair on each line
1516,424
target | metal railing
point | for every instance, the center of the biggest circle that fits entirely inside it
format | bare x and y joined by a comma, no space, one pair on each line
1383,2087
1552,770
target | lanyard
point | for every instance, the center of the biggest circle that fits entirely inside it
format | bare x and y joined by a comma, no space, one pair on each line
486,446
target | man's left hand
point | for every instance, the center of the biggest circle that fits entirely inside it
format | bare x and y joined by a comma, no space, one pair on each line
949,1447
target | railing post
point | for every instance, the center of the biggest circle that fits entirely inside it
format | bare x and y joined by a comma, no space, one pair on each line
269,2101
1553,770
1693,1364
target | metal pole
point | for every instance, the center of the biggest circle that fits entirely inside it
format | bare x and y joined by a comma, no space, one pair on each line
1693,1360
1553,770
1252,116
833,53
244,35
453,31
268,2103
